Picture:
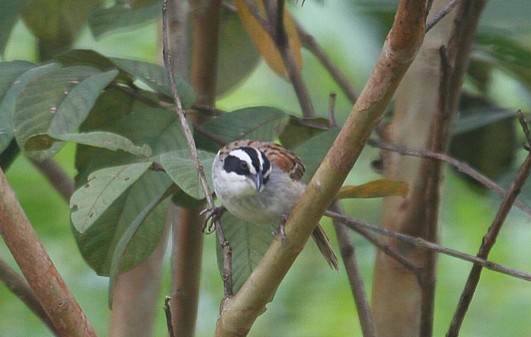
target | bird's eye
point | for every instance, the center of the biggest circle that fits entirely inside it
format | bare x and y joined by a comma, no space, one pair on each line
244,166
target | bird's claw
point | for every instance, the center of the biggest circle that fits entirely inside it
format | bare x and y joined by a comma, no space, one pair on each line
213,214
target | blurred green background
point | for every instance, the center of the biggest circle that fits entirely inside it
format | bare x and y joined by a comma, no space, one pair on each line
312,301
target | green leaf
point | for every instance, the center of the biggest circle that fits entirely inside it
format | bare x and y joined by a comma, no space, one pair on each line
375,189
314,150
300,130
12,78
248,242
181,168
57,22
98,242
106,140
261,123
476,118
158,129
237,55
125,242
103,187
91,58
507,54
9,12
156,78
54,103
122,16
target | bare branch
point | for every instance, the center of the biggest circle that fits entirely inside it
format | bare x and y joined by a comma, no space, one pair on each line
38,269
57,177
458,165
348,253
18,286
240,311
441,14
488,242
357,225
313,46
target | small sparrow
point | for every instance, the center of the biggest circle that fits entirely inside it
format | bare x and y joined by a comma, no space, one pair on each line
260,182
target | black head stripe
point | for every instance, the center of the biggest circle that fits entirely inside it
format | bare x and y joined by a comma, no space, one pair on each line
255,159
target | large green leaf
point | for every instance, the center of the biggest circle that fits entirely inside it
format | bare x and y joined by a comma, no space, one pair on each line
9,12
107,140
13,76
56,23
263,123
158,129
103,187
248,243
156,78
182,170
55,102
127,240
122,16
314,150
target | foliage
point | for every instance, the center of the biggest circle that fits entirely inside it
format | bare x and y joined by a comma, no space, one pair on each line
131,156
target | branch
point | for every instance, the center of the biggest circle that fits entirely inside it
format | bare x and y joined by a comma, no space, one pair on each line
311,44
458,165
490,239
239,312
57,177
18,286
273,24
441,14
348,253
359,226
38,269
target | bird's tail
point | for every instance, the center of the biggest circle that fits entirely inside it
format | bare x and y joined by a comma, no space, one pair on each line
323,243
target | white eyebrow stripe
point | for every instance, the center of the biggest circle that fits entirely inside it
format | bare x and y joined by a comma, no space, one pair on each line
244,156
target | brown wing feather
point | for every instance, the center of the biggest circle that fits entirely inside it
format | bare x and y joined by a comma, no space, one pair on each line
282,157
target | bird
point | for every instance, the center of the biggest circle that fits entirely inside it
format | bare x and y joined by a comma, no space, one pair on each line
259,182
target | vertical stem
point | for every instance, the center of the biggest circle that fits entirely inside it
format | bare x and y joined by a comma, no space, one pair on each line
348,254
187,235
186,270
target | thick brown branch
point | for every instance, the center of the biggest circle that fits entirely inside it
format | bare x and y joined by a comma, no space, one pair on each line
239,312
18,286
42,276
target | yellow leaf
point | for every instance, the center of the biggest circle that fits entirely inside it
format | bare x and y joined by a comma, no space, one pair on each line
374,189
263,41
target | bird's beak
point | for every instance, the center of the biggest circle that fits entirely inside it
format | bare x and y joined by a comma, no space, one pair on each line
258,180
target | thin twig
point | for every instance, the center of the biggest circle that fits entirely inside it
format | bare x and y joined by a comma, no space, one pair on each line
167,314
274,27
358,225
193,150
441,14
309,42
181,113
458,165
348,253
56,176
490,238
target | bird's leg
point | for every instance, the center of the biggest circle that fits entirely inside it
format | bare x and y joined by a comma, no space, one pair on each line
281,229
214,214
